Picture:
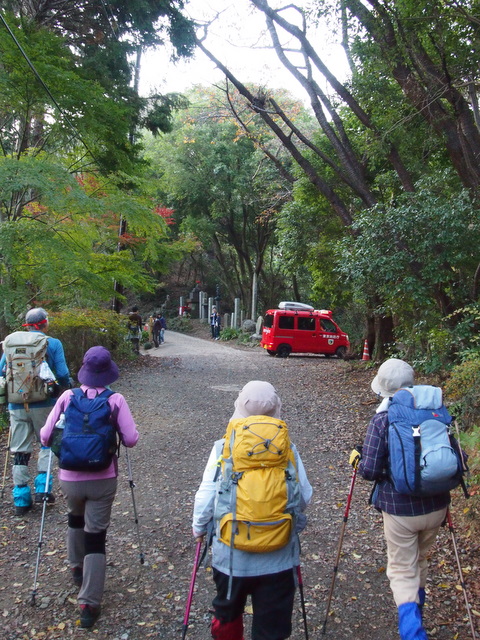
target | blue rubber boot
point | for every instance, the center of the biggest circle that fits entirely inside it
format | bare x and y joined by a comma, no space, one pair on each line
40,494
421,598
22,499
410,622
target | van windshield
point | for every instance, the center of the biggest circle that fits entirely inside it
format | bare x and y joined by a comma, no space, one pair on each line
328,325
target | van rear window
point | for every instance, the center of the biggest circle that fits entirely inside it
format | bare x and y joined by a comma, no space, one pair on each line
285,322
268,322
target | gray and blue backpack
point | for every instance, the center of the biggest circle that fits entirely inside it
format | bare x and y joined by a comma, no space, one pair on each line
424,458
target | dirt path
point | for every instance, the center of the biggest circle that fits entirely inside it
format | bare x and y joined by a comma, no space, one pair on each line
182,396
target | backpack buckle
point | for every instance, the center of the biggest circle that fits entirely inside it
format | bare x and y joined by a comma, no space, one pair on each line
416,431
236,475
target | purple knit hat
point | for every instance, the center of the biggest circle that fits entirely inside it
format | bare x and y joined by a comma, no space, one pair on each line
98,368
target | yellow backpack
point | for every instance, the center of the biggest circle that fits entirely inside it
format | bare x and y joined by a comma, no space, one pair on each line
258,492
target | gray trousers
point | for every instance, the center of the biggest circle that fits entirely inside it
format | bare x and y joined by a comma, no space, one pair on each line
89,510
25,431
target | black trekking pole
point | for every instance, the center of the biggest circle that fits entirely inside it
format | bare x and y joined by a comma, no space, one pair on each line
339,548
302,600
42,524
7,455
460,573
132,487
196,564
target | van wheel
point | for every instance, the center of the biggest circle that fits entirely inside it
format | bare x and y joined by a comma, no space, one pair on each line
340,352
271,352
284,350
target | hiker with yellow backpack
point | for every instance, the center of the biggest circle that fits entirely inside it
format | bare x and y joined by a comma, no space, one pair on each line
254,490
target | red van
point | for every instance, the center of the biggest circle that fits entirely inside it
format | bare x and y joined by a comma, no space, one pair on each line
298,328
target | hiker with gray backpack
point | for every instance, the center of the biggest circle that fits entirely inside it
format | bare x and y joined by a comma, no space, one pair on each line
35,371
83,430
253,493
415,462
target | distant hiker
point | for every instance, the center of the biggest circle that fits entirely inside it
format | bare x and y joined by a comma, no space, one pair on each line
135,324
35,369
215,322
90,494
157,325
149,326
411,523
163,326
255,549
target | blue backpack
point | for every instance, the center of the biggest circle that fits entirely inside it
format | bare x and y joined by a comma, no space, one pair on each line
424,459
89,439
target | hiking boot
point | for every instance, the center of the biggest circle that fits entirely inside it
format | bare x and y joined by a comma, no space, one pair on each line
88,615
77,576
21,511
39,497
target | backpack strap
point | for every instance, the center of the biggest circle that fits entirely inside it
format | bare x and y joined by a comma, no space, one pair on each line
417,443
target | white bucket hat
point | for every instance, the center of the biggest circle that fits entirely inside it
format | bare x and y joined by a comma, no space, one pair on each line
257,398
392,375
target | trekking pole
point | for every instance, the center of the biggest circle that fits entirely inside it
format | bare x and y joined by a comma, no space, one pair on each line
132,487
458,448
7,451
196,564
339,548
42,524
460,573
302,600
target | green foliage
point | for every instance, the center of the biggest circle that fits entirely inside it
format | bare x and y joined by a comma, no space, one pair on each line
4,419
88,71
182,324
470,441
417,258
61,248
466,330
463,391
223,192
80,329
229,333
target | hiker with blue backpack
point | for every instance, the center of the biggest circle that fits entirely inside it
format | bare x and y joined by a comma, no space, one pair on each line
414,461
253,494
82,429
35,370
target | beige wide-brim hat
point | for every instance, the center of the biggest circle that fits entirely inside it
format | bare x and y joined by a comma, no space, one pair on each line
393,374
257,398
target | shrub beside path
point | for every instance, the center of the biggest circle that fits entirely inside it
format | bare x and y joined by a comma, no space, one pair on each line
182,396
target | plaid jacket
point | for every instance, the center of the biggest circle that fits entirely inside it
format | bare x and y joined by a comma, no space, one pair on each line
373,466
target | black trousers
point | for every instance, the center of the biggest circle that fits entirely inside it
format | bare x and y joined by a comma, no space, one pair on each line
272,602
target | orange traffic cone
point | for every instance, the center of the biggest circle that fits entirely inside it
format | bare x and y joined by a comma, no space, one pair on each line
366,354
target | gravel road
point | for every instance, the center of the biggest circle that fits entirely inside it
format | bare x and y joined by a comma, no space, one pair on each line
182,396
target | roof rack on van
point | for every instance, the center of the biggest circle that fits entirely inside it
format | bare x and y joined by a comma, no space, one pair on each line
294,306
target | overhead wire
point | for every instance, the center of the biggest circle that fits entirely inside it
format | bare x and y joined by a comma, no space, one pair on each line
46,88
